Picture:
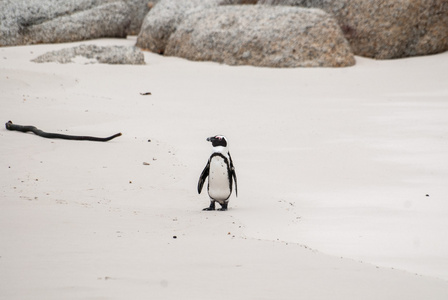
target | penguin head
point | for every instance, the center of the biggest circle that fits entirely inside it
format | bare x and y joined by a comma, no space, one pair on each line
218,141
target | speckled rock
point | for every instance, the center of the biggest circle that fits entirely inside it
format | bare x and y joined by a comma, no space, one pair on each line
237,2
95,54
389,28
261,36
163,20
138,11
46,21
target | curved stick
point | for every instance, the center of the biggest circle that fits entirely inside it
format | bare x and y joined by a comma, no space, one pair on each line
10,126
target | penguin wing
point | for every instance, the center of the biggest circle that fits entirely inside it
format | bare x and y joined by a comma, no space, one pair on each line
203,176
234,179
233,174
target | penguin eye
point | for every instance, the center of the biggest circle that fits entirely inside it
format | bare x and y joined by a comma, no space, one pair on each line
219,137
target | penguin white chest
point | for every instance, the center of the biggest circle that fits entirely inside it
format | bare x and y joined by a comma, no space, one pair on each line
218,179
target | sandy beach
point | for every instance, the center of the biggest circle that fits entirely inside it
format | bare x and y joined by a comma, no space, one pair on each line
342,179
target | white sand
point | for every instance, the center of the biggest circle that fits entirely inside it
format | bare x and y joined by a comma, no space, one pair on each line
337,160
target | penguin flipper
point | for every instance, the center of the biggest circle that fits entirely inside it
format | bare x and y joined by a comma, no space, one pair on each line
233,174
203,176
234,179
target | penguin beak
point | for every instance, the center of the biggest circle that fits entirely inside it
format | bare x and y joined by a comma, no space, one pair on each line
209,139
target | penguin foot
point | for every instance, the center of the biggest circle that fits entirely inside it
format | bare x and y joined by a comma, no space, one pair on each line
211,207
223,207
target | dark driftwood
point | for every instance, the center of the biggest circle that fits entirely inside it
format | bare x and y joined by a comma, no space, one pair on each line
10,126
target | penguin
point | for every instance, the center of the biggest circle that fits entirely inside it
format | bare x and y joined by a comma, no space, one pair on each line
220,172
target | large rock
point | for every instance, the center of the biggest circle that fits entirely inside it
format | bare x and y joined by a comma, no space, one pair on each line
47,21
261,36
388,28
163,20
138,9
95,54
242,2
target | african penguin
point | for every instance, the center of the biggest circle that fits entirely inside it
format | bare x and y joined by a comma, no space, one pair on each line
220,172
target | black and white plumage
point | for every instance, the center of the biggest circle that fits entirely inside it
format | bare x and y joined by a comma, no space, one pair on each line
220,172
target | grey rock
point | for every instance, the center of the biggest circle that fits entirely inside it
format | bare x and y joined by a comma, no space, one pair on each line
261,36
106,55
138,11
46,21
163,20
238,2
389,28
